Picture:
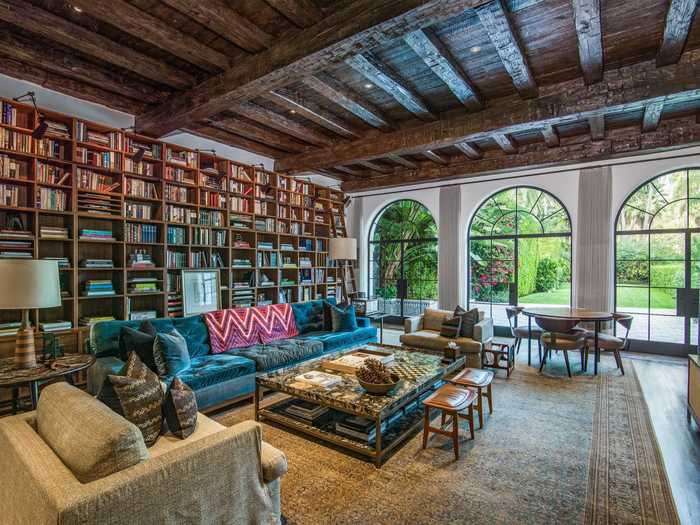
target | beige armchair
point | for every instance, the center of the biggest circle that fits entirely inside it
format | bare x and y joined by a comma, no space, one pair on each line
216,475
423,332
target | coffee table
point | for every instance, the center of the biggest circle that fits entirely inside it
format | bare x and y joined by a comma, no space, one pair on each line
420,374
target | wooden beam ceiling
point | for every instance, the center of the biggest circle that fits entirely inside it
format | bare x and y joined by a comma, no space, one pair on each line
678,19
652,116
231,139
438,58
38,21
348,170
434,157
153,30
256,132
590,41
362,25
302,13
472,151
217,16
373,166
401,161
494,18
505,142
551,136
567,102
596,123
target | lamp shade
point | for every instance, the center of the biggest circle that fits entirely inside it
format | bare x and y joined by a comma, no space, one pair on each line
343,249
29,284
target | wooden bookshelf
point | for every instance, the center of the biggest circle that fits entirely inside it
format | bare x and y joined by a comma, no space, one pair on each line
181,208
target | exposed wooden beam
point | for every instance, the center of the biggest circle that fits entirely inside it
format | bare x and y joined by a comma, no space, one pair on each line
153,30
494,18
551,136
590,41
312,111
236,141
621,142
217,16
402,161
436,158
596,123
678,19
256,132
629,88
281,123
505,142
472,151
55,60
375,167
302,13
652,116
348,170
54,28
328,87
362,25
439,59
388,80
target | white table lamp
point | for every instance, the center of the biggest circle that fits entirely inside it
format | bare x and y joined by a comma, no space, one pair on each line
343,249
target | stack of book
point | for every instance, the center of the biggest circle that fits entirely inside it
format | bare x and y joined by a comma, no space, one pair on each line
359,428
142,315
63,262
240,243
241,222
7,254
265,245
175,305
89,321
243,297
286,247
285,281
306,410
143,285
9,328
56,326
241,263
97,263
99,288
57,129
96,235
53,232
141,259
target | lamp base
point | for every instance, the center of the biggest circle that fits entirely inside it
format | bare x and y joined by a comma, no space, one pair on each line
25,355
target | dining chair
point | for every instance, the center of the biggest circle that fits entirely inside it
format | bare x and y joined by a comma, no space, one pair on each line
521,332
612,343
559,334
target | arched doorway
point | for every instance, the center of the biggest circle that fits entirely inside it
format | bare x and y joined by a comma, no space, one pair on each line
519,248
657,258
403,259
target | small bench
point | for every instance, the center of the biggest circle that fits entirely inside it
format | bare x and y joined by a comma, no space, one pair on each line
479,379
450,400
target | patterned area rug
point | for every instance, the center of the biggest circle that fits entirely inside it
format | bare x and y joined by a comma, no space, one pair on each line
555,450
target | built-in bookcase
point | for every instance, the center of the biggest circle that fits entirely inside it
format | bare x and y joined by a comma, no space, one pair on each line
124,213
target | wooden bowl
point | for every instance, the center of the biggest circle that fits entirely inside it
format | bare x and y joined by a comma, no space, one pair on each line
379,388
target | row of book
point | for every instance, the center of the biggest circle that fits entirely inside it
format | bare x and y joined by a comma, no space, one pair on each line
15,141
93,234
179,194
206,236
55,149
13,195
12,117
177,235
140,233
145,169
141,259
52,199
110,139
92,180
213,199
141,188
134,210
204,260
97,264
102,159
11,168
58,233
185,158
150,150
143,285
52,174
179,175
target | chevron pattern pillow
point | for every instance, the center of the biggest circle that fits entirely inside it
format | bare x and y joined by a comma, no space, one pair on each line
276,322
232,328
180,409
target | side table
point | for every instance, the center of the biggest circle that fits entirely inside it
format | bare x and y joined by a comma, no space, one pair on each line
378,316
64,366
500,350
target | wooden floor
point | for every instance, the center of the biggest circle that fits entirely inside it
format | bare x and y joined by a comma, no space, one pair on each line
664,383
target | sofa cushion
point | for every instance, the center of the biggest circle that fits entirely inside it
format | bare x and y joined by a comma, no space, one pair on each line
434,341
309,316
469,319
170,354
180,409
232,328
338,340
281,353
343,319
90,439
451,327
140,342
276,322
195,332
212,369
168,442
432,319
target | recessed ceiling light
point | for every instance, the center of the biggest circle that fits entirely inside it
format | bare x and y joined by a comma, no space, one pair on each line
369,86
77,9
293,111
475,49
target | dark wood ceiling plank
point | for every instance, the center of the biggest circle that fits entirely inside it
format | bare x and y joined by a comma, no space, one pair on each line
401,161
438,58
256,132
153,30
571,101
279,122
495,20
344,97
302,13
362,25
472,151
373,166
230,139
590,41
652,116
621,142
434,157
596,124
551,136
678,19
39,21
505,142
309,109
389,81
71,65
348,170
217,16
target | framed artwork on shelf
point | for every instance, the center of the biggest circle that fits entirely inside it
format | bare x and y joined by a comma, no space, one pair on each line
200,291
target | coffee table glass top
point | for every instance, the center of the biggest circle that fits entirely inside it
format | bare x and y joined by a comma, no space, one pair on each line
416,370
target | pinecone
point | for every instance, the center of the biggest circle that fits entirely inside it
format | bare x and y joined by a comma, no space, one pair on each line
375,372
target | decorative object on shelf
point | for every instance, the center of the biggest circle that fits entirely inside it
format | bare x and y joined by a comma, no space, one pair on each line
25,285
200,291
344,250
451,352
376,378
52,348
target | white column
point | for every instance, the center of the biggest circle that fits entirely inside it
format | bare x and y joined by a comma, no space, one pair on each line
448,248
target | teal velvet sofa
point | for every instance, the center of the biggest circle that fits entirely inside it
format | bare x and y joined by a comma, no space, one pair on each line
219,378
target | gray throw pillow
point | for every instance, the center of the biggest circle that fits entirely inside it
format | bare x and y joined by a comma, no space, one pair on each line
451,327
170,354
469,319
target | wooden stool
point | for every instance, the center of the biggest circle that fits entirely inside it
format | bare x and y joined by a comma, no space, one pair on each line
451,400
479,379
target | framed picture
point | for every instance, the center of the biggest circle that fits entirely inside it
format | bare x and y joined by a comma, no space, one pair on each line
201,291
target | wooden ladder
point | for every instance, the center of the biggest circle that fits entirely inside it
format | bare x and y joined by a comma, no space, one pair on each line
348,279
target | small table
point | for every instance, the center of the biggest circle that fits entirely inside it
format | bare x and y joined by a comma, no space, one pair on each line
499,348
571,314
64,366
378,316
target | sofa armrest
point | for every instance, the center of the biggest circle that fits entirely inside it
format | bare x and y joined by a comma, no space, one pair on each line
483,331
274,463
364,322
413,324
98,372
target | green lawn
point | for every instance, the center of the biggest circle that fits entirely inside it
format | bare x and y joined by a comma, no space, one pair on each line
560,296
626,298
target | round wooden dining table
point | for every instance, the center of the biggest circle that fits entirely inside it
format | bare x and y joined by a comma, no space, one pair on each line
580,315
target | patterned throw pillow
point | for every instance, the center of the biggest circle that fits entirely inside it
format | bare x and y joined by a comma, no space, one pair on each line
180,409
232,328
451,327
469,319
276,322
141,397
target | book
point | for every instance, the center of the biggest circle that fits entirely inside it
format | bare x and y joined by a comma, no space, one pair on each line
317,378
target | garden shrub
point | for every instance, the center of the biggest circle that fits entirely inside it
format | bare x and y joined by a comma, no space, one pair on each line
548,275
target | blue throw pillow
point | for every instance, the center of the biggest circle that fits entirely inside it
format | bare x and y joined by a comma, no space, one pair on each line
170,353
343,319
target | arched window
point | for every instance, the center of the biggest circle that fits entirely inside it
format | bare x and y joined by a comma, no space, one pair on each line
403,259
519,250
657,257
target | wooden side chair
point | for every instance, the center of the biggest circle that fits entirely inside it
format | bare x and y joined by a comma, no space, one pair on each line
451,400
559,334
521,332
611,343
